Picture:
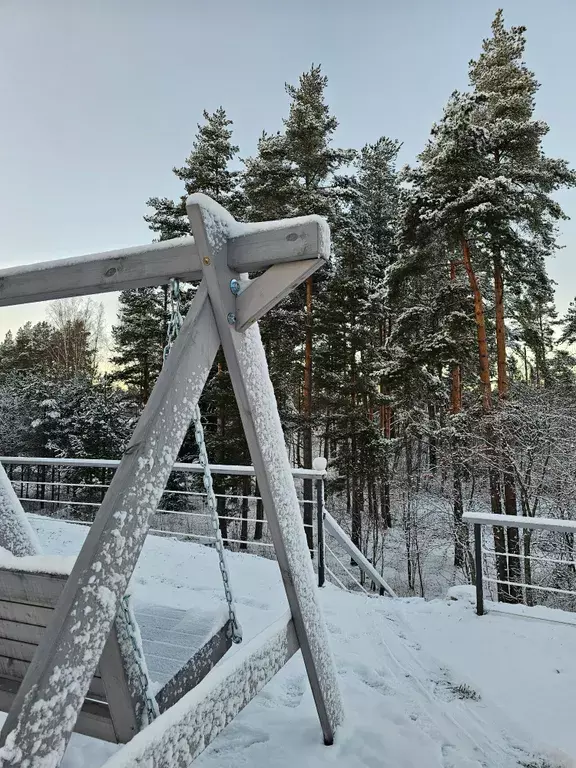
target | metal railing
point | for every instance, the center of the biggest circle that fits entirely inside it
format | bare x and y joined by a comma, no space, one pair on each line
543,567
71,490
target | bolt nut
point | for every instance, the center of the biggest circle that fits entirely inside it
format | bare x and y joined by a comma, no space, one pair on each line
231,318
235,286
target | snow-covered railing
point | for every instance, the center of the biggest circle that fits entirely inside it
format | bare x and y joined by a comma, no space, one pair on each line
64,489
71,490
366,568
541,565
216,469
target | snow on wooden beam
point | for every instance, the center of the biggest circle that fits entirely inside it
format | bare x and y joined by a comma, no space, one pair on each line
181,733
251,248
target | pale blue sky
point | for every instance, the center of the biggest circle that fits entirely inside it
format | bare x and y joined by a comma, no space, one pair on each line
100,98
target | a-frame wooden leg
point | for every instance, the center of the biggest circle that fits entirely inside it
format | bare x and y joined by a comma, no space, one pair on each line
257,404
45,709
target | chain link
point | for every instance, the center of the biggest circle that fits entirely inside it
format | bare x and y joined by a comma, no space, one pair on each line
152,710
174,325
175,320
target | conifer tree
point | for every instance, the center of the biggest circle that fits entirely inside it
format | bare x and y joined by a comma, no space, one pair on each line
445,199
139,339
568,325
517,226
309,130
306,166
353,320
206,170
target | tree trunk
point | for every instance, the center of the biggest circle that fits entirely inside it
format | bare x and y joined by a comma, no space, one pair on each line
485,386
222,518
480,329
527,537
460,530
510,505
308,489
500,326
432,443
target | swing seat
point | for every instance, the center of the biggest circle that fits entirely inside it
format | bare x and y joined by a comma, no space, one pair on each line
115,708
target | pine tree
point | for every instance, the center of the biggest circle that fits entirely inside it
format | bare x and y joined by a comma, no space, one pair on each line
517,226
205,170
269,181
446,200
568,325
295,174
353,319
139,340
309,130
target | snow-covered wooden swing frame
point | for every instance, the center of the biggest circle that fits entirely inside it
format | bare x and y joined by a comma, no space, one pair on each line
221,253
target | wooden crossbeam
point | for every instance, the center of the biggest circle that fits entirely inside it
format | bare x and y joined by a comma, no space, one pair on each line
252,248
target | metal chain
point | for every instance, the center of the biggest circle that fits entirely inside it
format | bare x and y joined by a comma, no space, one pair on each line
152,710
175,320
174,325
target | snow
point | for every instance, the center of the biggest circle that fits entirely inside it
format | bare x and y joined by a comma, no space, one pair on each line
37,563
425,684
16,533
220,224
73,261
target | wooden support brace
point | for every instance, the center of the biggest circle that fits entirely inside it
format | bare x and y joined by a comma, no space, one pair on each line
268,289
248,371
75,638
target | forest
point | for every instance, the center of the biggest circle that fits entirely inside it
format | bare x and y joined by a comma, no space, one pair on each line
427,362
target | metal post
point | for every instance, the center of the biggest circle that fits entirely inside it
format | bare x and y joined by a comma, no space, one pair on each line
320,530
478,561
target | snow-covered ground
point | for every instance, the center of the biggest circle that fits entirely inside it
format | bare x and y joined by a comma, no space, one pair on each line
425,684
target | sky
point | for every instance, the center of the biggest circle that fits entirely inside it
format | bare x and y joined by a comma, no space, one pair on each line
101,98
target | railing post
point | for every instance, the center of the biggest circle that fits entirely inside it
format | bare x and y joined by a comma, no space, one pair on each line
320,464
320,531
478,562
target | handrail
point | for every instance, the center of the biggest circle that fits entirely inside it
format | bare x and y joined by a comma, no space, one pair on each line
216,469
512,521
344,540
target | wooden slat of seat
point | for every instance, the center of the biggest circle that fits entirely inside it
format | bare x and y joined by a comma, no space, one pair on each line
26,614
15,669
42,589
93,720
15,630
114,708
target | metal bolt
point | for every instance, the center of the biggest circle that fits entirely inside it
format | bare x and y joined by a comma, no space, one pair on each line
231,318
206,260
235,286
